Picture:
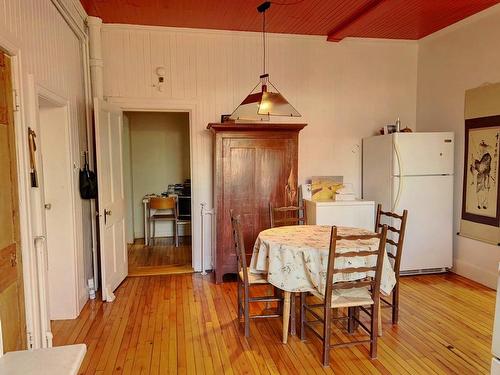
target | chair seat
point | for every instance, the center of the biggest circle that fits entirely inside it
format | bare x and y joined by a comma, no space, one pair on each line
163,217
348,297
254,278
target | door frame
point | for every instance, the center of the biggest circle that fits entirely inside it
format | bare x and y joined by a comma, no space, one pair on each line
148,105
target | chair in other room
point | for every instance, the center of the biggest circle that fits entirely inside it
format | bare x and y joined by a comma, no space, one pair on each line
354,295
282,216
394,252
160,204
247,280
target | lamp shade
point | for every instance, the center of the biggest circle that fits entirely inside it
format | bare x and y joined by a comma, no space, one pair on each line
264,101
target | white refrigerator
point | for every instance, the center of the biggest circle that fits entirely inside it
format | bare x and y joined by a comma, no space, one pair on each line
414,171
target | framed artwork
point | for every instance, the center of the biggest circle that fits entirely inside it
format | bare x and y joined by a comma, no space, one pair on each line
324,188
481,195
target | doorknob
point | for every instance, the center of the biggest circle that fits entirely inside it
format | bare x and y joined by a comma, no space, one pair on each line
106,214
47,206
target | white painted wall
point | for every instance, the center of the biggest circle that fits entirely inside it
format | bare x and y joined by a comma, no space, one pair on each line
159,157
44,43
460,57
344,91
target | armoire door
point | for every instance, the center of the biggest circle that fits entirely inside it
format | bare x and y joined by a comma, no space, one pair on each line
12,313
256,172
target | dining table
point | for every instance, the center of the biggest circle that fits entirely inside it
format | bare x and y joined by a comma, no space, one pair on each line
295,259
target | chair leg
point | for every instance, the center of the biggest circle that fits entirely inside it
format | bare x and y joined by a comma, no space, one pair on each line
326,336
278,293
303,296
176,234
246,312
374,331
395,304
379,319
355,315
154,233
350,321
293,328
239,301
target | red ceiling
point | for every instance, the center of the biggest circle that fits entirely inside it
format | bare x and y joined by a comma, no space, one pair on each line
392,19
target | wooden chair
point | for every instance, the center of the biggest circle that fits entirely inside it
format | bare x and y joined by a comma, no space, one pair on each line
282,216
291,215
162,203
246,280
353,295
395,255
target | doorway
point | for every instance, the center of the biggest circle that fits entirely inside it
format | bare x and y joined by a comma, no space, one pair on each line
156,160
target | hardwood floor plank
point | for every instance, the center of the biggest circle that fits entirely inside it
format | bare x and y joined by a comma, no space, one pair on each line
186,324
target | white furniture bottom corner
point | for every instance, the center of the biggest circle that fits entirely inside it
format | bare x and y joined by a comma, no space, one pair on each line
61,360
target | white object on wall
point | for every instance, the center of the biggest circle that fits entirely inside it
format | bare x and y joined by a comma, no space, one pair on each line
358,213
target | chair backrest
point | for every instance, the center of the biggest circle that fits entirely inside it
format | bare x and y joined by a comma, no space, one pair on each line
239,245
397,244
291,215
372,282
162,203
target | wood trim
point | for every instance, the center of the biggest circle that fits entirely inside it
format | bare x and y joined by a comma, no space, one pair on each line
245,126
475,123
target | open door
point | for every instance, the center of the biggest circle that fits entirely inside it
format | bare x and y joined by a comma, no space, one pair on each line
12,310
111,197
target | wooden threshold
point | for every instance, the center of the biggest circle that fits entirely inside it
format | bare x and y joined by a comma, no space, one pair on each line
161,270
163,258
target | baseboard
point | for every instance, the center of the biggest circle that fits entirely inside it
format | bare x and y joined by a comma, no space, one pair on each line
473,272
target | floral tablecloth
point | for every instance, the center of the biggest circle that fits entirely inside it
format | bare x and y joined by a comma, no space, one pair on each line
296,257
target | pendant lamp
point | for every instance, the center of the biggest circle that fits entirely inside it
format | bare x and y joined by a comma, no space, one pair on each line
264,100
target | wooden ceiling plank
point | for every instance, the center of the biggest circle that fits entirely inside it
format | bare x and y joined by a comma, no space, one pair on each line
360,12
395,19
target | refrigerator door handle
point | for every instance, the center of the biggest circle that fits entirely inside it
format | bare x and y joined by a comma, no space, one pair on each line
400,184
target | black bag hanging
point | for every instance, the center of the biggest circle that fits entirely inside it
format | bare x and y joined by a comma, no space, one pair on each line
88,182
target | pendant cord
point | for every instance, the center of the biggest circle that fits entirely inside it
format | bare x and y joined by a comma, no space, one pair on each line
264,40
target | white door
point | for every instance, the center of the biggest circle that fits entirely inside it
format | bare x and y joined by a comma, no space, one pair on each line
58,199
429,230
111,196
423,154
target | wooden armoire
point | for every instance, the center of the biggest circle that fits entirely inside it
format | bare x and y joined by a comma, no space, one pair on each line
254,164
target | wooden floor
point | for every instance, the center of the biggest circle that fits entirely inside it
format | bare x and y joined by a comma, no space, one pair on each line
186,324
163,258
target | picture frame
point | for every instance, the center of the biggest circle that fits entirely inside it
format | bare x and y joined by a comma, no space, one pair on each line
481,193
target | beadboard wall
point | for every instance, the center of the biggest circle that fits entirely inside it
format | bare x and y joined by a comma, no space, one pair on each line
50,51
344,91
